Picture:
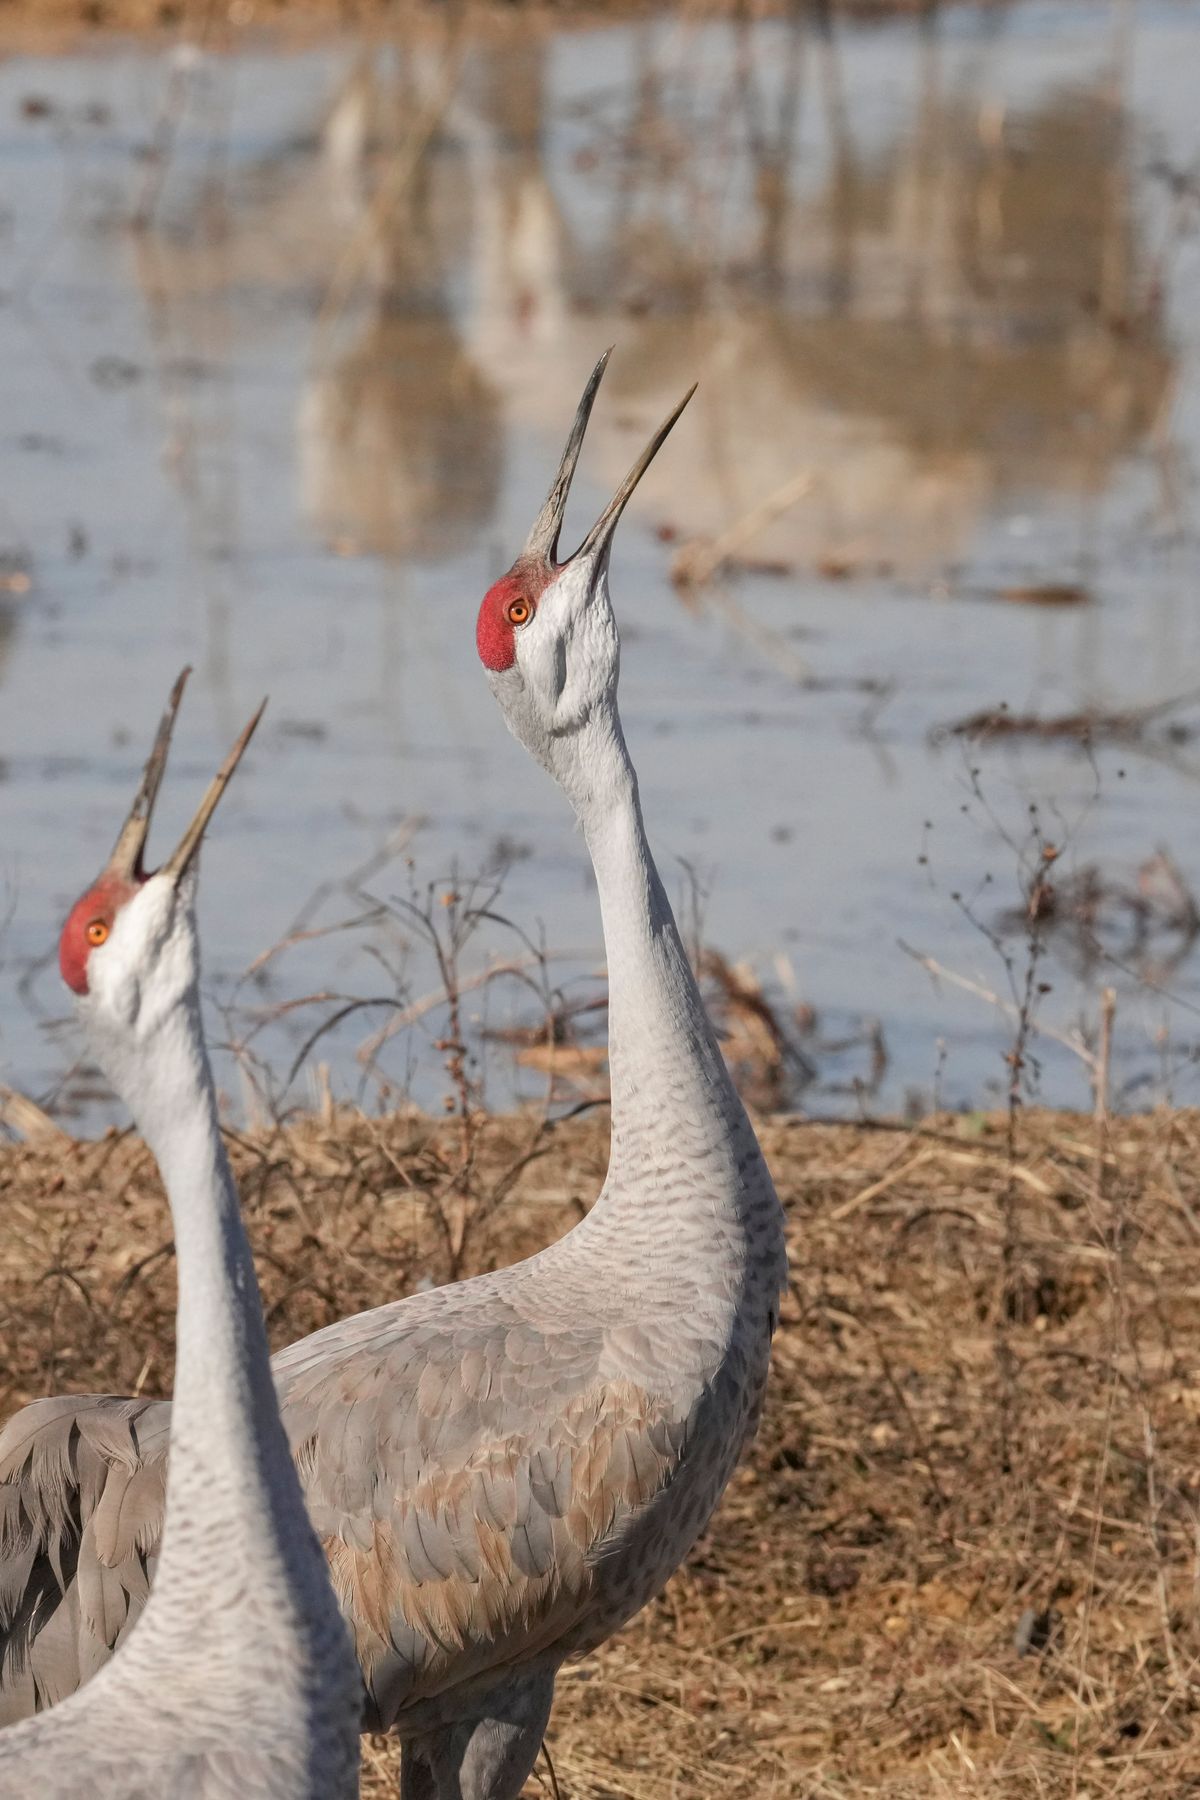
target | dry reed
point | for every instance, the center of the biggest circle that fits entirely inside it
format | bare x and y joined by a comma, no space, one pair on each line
940,1573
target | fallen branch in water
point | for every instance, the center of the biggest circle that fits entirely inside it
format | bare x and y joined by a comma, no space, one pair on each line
1126,727
697,561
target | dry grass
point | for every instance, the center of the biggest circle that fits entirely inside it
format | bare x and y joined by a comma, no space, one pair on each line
60,24
848,1627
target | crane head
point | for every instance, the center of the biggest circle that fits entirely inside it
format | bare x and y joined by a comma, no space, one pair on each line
546,633
111,927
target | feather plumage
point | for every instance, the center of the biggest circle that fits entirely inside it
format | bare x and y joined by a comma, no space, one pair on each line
502,1472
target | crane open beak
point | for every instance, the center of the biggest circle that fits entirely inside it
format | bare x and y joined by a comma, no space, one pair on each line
128,858
542,542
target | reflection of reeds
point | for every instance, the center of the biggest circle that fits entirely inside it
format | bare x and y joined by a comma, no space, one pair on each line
958,314
883,1611
384,214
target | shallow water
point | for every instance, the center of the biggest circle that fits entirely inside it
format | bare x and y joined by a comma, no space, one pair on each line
940,286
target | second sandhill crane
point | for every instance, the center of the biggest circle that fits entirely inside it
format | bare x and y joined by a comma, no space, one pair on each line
502,1472
240,1678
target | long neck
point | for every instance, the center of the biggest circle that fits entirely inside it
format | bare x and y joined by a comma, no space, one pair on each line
673,1104
234,1505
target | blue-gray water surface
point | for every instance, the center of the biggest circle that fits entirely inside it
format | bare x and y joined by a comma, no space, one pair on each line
291,341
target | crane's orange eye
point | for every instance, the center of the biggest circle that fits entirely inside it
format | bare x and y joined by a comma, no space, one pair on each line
519,612
97,932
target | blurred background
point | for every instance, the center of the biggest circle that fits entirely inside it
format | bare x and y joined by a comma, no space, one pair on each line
294,314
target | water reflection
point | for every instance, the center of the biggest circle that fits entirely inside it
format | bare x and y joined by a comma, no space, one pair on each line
400,433
918,274
401,443
941,319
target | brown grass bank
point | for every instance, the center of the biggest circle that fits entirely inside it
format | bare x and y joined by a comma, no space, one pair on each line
67,24
962,1559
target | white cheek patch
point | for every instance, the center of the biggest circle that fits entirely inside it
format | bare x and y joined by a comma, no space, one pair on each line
114,985
568,655
126,999
144,947
544,664
590,654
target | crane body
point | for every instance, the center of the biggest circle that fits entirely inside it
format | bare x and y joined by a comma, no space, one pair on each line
504,1471
239,1679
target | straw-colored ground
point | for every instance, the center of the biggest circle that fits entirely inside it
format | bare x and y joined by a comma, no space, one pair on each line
983,1434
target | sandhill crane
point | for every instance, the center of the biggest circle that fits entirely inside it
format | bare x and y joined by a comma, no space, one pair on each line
240,1678
503,1471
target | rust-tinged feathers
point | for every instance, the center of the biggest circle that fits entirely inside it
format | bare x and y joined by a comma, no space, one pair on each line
463,1528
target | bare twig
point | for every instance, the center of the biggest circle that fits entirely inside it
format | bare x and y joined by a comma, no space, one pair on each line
696,562
1010,1010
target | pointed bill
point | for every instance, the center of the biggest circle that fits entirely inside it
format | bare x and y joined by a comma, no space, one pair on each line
184,853
600,536
128,855
542,542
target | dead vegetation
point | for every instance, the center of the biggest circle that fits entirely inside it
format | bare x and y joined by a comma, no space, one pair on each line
962,1558
48,24
1154,726
1149,924
780,1050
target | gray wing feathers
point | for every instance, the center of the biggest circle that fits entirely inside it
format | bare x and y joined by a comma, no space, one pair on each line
82,1485
493,1464
465,1473
128,1515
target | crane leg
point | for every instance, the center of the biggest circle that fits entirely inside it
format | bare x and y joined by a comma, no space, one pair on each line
488,1756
